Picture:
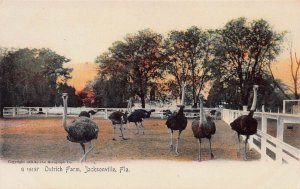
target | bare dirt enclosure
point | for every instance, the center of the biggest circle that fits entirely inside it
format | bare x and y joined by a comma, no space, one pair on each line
45,139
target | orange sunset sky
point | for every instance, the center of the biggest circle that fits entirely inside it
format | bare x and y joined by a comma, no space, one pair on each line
82,30
84,72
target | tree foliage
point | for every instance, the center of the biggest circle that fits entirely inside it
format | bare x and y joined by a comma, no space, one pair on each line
135,61
29,77
245,53
189,56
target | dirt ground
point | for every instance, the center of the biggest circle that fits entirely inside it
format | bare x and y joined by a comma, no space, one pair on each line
45,139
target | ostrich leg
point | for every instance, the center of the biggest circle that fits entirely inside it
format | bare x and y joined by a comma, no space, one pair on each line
238,141
121,129
142,126
85,155
138,131
171,143
83,148
114,131
211,154
199,157
178,138
246,141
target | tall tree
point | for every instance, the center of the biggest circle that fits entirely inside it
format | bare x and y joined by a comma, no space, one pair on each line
137,60
29,77
245,52
189,56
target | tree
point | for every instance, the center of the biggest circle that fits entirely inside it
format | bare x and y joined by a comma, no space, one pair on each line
189,56
245,52
29,77
136,61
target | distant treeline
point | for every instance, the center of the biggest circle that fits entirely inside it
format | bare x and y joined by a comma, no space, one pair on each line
34,77
225,63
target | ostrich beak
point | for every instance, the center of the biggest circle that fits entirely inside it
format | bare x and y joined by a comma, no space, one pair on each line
64,95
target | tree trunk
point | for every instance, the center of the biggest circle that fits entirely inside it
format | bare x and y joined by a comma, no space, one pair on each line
1,111
142,96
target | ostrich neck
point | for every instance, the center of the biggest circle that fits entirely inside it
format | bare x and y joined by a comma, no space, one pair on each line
253,107
65,115
202,116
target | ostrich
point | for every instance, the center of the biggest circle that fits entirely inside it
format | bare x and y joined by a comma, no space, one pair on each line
137,117
84,114
177,121
118,118
246,124
203,128
87,114
81,130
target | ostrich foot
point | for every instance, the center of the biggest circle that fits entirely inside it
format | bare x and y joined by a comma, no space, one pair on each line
212,156
124,138
176,153
171,147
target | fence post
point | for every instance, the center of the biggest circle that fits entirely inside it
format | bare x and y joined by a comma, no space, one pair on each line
14,112
29,110
46,112
263,144
280,129
106,116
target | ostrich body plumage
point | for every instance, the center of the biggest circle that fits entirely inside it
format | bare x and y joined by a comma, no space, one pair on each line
82,130
118,118
137,117
177,121
205,130
245,124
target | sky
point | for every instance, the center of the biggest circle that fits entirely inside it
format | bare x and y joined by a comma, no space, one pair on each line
82,30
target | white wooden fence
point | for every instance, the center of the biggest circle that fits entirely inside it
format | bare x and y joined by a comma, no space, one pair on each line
100,112
265,143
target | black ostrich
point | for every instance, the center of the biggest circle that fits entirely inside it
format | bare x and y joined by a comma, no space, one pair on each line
177,121
87,114
246,124
138,116
84,114
118,118
82,130
203,128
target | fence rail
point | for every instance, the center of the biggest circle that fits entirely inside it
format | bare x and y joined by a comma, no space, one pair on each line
270,148
99,112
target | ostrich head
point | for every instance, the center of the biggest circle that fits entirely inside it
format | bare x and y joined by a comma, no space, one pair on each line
255,87
65,96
